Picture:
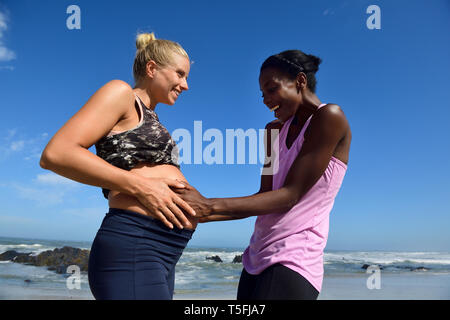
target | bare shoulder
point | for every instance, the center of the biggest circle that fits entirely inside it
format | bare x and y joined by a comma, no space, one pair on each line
104,109
331,109
331,114
332,124
328,121
115,96
108,105
119,84
118,89
275,124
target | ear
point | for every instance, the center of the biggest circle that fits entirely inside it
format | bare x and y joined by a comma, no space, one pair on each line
301,81
151,68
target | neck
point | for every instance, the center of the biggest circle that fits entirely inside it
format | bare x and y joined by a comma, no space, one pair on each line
309,106
142,91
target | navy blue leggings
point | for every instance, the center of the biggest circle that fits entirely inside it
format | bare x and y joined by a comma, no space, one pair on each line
133,256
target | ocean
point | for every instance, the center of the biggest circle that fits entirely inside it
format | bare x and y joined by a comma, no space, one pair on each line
201,278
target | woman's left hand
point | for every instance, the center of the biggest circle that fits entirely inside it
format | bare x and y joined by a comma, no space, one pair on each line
201,205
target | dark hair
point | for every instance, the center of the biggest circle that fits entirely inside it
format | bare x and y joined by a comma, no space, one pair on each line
292,62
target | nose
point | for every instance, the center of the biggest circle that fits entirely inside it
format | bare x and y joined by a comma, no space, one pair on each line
184,84
267,102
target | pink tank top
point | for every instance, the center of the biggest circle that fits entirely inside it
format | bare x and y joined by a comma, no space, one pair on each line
297,238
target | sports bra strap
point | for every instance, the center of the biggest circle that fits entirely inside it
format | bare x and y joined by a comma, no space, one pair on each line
140,106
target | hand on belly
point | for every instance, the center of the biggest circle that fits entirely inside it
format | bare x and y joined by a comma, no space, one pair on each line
165,171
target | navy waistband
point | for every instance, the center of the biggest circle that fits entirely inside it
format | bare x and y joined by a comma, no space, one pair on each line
147,219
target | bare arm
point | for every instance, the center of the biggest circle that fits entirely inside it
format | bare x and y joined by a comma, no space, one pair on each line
327,128
67,154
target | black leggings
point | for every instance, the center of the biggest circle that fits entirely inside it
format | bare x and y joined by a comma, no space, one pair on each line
277,282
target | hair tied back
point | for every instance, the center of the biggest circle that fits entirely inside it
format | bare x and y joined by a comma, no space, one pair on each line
143,39
315,61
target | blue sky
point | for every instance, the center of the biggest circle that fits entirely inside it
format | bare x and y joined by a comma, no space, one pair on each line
392,84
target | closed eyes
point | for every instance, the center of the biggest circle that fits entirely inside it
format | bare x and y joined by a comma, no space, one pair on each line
270,90
181,74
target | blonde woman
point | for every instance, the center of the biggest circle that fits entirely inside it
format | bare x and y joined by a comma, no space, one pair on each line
141,238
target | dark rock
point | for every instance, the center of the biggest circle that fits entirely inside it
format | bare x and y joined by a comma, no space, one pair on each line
12,255
26,259
8,255
420,269
403,267
57,260
411,268
64,257
238,259
27,281
214,258
365,266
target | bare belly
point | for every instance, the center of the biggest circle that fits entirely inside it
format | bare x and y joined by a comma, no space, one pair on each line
123,201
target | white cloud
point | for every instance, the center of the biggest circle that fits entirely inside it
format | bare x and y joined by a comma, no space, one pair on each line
5,53
14,142
47,189
33,156
328,11
53,179
11,133
3,25
15,219
43,197
17,145
11,68
84,213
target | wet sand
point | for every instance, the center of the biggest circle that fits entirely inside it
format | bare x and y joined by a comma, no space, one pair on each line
400,286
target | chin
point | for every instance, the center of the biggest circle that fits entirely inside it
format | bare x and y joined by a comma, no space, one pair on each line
170,102
282,118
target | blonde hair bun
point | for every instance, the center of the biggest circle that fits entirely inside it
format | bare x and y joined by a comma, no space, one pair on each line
159,50
143,39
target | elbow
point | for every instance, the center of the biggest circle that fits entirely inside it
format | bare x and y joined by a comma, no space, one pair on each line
55,154
44,162
292,198
290,204
48,160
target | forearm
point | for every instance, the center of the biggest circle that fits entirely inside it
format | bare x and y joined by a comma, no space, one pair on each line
79,164
218,217
277,201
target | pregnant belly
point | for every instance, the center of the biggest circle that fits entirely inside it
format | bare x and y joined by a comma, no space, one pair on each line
123,201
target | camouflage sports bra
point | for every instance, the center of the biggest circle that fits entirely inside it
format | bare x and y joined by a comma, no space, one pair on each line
149,142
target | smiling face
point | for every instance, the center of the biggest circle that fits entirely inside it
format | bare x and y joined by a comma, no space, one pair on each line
279,90
169,81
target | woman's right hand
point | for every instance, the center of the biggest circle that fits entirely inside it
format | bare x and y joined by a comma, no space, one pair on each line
164,204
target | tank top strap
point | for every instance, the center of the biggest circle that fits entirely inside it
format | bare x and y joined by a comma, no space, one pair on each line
285,129
283,133
309,120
